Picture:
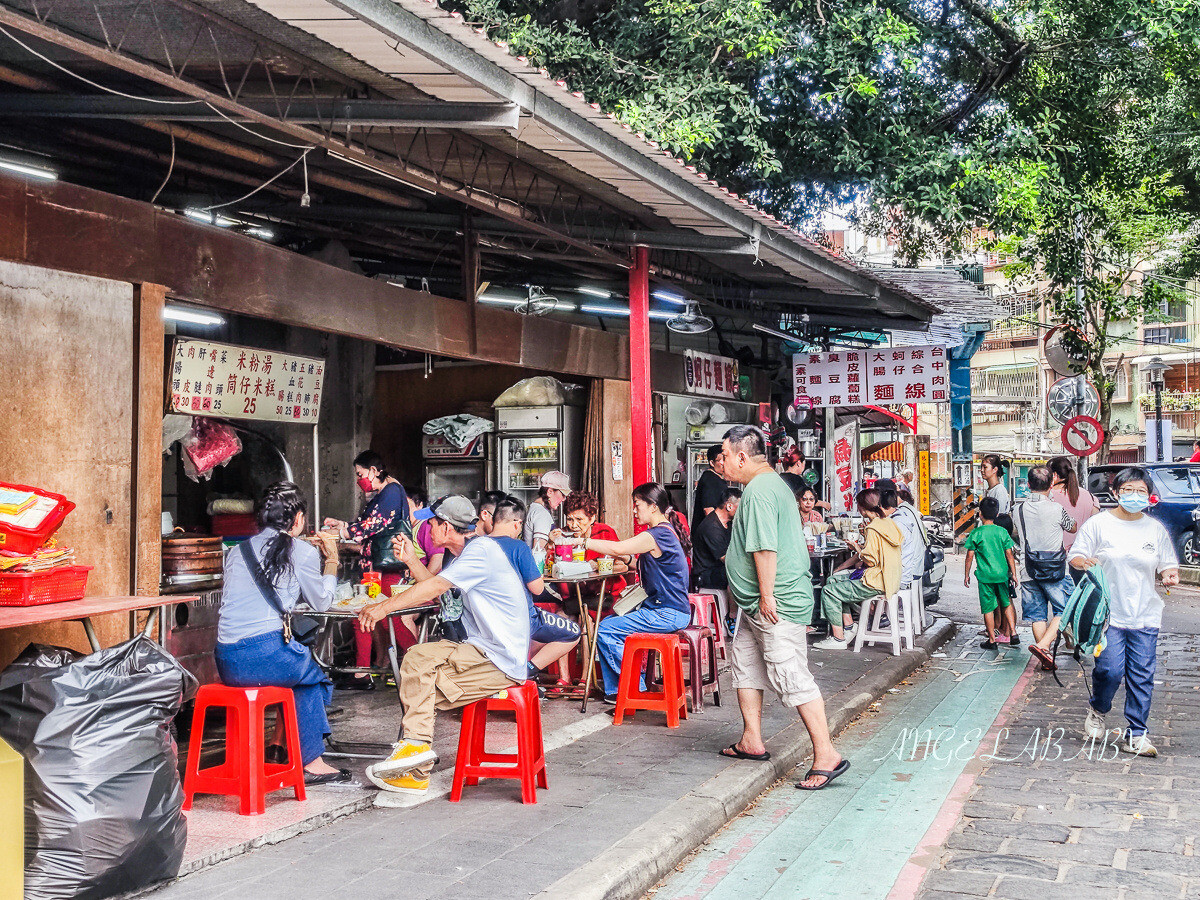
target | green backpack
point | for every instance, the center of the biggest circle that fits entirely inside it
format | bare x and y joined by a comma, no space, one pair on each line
1085,616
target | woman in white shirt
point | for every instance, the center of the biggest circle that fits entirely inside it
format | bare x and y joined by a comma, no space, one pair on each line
1131,549
994,469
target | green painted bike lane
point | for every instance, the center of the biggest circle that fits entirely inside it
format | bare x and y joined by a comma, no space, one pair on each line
853,839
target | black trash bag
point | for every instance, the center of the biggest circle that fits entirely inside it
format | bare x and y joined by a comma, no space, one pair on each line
103,802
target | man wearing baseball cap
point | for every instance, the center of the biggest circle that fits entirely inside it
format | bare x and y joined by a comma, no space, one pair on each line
553,488
445,674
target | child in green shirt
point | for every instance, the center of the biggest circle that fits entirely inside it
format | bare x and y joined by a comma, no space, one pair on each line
992,547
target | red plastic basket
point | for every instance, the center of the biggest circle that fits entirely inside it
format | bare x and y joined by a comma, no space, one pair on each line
25,540
51,586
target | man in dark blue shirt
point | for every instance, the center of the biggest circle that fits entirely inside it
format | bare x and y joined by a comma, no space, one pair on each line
555,632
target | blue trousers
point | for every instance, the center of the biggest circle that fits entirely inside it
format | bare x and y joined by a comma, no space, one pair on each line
266,661
610,637
1131,654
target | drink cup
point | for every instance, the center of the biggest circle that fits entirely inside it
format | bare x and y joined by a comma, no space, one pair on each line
604,565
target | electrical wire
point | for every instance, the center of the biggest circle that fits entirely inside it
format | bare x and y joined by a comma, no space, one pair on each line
170,169
1128,340
263,137
277,175
94,84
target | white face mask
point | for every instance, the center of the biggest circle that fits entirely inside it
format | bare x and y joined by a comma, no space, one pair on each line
1133,503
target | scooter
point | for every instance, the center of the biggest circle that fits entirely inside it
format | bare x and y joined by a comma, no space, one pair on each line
935,573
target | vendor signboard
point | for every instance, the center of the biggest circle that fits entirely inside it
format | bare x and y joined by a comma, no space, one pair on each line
711,376
879,376
226,381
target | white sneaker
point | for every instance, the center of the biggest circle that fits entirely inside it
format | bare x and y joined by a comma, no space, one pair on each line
1138,746
849,631
832,643
1093,725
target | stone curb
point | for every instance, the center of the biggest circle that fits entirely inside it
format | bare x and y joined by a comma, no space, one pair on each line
646,855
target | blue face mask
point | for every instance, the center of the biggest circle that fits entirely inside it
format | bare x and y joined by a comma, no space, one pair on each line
1133,503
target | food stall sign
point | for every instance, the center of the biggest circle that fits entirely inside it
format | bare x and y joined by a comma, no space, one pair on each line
226,381
881,376
845,468
711,376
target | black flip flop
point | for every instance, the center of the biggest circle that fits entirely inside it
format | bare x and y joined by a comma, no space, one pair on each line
742,754
828,775
341,776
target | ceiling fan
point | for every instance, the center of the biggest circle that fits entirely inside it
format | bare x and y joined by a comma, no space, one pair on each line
690,321
538,303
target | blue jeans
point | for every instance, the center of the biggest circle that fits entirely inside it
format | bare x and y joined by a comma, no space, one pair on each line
1036,596
1132,654
610,637
266,661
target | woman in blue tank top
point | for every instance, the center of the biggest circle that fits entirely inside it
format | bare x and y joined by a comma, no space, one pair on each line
662,551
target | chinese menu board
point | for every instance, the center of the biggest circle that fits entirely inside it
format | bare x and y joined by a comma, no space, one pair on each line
230,382
711,376
876,377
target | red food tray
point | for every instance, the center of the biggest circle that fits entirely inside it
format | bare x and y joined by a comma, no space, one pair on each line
16,539
51,586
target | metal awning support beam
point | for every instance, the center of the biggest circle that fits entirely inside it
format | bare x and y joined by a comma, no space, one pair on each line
689,241
325,111
403,173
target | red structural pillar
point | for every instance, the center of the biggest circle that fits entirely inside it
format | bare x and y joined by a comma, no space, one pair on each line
639,364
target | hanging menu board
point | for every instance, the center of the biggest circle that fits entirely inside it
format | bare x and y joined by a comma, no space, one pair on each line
230,382
876,377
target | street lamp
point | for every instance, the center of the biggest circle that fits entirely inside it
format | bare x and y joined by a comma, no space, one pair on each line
1156,368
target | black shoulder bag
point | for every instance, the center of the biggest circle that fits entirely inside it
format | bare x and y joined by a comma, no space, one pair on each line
304,629
1042,565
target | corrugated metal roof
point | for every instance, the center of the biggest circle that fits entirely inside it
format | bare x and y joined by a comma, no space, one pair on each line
668,187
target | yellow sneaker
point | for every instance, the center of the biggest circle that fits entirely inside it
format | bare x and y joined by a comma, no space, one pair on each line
399,784
406,756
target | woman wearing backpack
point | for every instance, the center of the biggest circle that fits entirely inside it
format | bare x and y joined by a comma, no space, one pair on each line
1131,549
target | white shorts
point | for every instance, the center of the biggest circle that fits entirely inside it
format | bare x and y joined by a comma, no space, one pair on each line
775,657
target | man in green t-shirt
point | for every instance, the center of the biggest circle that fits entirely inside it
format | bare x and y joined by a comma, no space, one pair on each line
770,580
991,547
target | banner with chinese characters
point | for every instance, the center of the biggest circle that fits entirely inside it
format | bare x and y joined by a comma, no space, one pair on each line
880,376
711,376
230,382
845,468
831,379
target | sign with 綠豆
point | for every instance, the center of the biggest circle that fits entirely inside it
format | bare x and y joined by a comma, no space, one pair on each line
225,381
711,376
831,379
879,376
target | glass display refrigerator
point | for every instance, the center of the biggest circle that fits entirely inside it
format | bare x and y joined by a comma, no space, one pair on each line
456,470
531,440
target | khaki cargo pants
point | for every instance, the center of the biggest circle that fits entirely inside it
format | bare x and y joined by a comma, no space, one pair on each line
443,675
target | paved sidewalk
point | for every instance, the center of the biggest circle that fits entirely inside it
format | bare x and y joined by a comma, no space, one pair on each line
1054,817
624,805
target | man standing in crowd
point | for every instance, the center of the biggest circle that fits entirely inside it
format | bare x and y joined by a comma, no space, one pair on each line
769,578
710,540
1041,523
710,488
444,674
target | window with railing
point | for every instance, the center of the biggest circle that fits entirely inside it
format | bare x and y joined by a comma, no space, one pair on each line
1005,381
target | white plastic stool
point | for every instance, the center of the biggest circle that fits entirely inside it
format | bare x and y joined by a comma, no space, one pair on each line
871,631
916,607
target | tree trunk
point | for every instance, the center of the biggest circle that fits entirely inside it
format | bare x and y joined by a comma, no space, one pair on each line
1105,389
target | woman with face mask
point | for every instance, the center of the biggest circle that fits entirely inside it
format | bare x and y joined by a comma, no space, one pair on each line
385,514
1131,549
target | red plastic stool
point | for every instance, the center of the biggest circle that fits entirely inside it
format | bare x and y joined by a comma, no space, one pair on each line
706,610
701,648
244,773
670,698
528,763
